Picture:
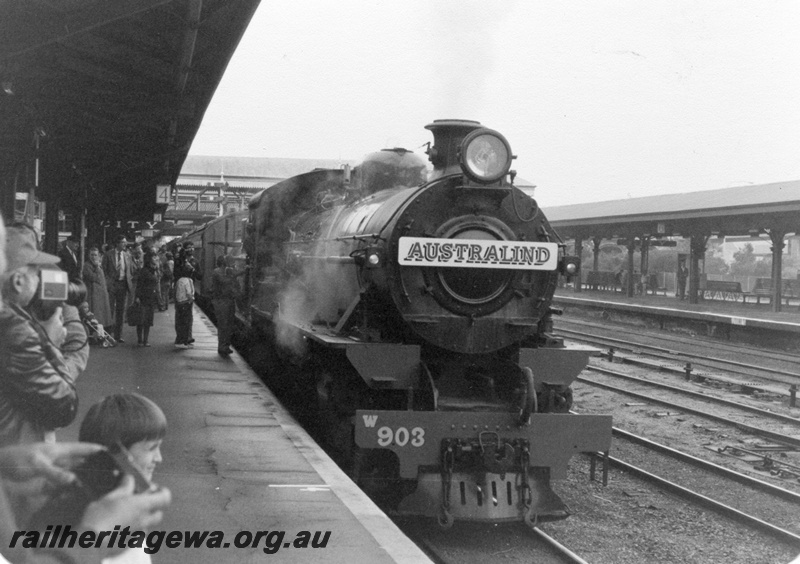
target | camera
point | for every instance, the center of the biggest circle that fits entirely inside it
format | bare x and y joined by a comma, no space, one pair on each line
53,285
98,475
56,289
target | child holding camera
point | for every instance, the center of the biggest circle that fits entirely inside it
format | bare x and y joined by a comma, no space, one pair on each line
138,425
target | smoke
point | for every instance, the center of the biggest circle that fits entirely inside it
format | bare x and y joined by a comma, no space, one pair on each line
318,294
464,41
311,280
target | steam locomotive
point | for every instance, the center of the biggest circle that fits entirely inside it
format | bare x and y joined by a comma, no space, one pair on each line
417,305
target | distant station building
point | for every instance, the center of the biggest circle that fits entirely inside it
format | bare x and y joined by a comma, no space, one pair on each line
211,186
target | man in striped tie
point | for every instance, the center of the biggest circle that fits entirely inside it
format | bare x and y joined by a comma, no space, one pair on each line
117,265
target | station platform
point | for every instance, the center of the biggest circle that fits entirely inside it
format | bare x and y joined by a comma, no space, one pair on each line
718,310
736,321
235,460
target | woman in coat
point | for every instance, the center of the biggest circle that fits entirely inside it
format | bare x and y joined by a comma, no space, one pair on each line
96,292
147,297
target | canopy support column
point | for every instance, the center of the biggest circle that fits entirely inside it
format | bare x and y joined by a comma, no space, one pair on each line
578,283
777,236
697,246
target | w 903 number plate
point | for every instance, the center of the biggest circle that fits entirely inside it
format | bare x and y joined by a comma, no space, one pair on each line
401,436
380,430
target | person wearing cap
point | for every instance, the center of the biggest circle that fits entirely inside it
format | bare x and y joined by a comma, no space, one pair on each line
118,268
69,258
37,379
34,468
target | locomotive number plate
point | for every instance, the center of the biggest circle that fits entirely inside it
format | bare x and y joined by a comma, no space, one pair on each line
475,253
386,435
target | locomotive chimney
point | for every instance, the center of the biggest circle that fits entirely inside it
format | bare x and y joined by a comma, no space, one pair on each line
447,137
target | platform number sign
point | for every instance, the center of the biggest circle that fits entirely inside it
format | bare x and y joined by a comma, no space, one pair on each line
163,193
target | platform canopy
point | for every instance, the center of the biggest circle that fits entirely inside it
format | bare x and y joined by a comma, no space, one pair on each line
740,210
111,91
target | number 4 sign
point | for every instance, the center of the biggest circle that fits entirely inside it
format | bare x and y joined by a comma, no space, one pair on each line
163,193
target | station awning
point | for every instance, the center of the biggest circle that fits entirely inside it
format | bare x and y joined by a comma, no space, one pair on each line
112,93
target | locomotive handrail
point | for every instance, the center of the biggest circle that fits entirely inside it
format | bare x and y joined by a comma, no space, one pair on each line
529,405
375,236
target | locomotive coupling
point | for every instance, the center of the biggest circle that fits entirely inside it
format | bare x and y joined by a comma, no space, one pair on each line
488,453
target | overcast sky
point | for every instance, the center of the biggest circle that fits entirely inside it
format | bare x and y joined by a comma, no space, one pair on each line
599,99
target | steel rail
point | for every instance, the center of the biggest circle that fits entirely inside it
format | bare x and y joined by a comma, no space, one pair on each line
783,356
754,483
740,516
634,345
757,410
558,547
561,552
785,439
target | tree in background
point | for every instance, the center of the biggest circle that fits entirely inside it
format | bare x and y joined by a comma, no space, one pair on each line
715,263
747,263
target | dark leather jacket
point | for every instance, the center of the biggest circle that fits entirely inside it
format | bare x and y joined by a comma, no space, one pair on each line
37,380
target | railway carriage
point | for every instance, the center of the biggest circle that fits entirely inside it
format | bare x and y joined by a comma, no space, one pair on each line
221,236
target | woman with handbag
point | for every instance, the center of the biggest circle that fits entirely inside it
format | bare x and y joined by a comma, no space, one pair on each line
146,297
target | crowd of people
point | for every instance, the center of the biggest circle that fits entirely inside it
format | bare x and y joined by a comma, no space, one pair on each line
128,283
41,357
137,282
43,352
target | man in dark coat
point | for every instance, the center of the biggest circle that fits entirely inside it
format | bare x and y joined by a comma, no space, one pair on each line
118,268
69,258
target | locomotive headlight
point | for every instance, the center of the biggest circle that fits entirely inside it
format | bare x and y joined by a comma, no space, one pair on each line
371,257
485,156
570,266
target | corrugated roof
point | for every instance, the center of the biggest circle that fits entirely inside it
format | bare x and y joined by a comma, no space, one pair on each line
750,197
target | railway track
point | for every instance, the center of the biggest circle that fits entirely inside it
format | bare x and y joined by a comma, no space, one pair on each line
678,341
700,408
748,519
787,419
512,542
772,366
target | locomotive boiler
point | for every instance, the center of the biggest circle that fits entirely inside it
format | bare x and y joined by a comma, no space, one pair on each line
417,304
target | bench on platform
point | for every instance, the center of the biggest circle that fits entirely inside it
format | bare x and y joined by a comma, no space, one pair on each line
763,289
726,290
602,280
